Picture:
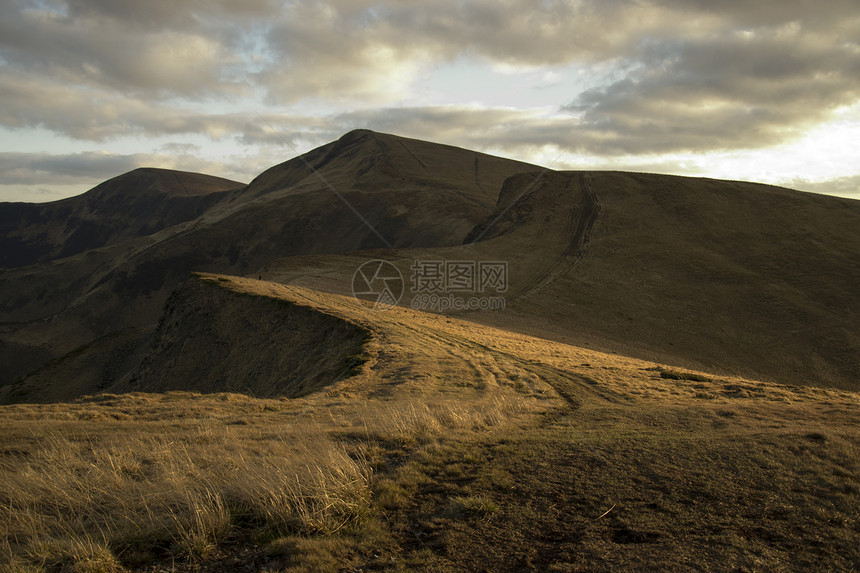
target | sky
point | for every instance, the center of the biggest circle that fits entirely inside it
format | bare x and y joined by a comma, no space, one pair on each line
764,90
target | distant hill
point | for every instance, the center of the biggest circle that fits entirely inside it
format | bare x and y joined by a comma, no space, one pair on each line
138,203
410,194
727,276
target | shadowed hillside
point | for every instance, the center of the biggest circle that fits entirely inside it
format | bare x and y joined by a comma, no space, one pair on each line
410,193
139,203
732,277
719,275
209,339
216,340
727,276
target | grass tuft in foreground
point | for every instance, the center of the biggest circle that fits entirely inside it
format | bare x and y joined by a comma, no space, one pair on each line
87,492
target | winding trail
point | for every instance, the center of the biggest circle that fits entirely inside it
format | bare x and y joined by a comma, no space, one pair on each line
579,228
422,353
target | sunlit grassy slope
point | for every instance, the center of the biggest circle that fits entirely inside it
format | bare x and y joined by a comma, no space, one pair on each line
450,446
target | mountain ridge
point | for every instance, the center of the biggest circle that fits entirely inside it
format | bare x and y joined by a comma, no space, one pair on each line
731,276
134,204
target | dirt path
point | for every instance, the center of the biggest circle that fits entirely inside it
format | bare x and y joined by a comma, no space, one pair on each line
631,488
579,228
622,468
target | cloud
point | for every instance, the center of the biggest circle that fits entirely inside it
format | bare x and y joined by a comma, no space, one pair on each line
77,52
687,75
93,167
460,124
730,92
39,177
649,77
375,51
158,14
146,49
99,115
23,168
842,186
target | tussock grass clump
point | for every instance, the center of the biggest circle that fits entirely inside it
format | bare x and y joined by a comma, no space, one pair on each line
183,476
472,507
410,420
329,490
679,375
183,492
84,554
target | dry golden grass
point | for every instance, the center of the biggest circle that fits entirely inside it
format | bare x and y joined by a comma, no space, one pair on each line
186,489
181,474
448,438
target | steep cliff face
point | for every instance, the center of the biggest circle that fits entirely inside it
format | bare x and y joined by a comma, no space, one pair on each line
213,339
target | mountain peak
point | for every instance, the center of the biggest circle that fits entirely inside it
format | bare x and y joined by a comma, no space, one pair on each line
164,181
370,160
358,133
674,268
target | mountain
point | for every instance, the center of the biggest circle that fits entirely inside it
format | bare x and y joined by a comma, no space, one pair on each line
731,277
139,203
225,385
408,193
716,275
